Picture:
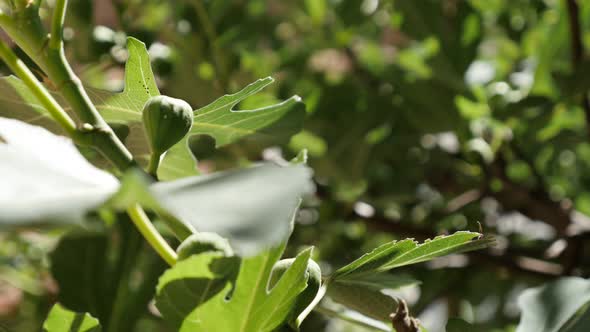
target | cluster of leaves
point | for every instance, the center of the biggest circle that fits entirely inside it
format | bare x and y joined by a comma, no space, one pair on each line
252,207
422,118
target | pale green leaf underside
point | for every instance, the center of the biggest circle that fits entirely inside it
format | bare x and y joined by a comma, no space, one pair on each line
250,307
252,207
363,293
32,169
263,200
61,319
552,307
406,252
350,316
369,302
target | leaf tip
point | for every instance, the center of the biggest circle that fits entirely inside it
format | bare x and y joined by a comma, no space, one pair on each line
132,40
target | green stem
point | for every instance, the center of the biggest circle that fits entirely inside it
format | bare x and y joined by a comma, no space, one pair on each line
24,73
59,16
149,232
153,164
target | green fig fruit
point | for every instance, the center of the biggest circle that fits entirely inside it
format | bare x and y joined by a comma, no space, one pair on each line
203,242
166,121
314,283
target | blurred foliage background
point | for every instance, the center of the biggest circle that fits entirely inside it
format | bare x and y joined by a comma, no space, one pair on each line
424,117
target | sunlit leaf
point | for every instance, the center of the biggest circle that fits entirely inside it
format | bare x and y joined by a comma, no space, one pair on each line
405,252
246,306
225,125
126,107
45,178
61,319
217,120
192,282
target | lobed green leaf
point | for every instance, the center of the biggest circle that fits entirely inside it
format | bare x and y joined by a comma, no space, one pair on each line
405,252
225,125
218,121
247,305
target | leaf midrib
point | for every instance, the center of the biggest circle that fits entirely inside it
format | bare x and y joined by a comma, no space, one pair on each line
254,294
417,259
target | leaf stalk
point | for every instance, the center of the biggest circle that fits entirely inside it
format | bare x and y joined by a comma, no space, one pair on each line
152,236
314,303
57,24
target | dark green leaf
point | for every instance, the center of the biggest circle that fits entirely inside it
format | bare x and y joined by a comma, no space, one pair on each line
459,325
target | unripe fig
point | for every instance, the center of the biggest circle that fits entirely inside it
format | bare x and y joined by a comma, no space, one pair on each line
166,121
313,283
203,242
